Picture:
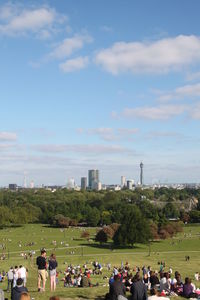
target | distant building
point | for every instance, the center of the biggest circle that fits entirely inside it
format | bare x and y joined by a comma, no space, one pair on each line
123,181
130,184
83,183
113,187
71,184
93,179
12,186
32,185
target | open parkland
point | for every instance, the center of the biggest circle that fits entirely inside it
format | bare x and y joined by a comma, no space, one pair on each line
70,248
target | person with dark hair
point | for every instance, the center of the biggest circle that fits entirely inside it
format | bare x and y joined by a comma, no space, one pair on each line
153,279
138,289
18,290
52,271
85,281
41,263
165,282
188,289
116,288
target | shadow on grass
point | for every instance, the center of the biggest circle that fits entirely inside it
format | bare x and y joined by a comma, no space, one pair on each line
10,226
109,246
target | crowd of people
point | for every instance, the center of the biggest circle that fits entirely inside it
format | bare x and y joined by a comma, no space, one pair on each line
146,280
141,283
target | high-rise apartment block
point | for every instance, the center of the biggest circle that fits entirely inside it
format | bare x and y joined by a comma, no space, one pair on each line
123,181
93,179
83,183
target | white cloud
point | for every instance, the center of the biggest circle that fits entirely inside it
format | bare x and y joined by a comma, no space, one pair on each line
164,134
193,76
7,136
190,90
195,111
74,64
106,28
162,56
69,45
17,20
162,112
110,134
91,149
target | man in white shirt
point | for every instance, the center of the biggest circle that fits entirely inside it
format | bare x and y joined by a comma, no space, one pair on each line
22,274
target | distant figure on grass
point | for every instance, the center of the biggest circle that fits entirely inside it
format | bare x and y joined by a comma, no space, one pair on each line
52,271
41,263
18,290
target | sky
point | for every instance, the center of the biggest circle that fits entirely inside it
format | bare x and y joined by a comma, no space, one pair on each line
99,85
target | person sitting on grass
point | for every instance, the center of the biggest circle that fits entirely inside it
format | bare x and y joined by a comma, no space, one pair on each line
155,295
138,289
165,283
117,289
85,281
189,289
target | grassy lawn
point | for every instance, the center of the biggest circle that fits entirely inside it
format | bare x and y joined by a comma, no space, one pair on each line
172,251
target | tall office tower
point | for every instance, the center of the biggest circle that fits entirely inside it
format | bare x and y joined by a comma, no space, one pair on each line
83,183
93,178
123,181
141,173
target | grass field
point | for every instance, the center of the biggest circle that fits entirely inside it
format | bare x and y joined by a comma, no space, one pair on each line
172,251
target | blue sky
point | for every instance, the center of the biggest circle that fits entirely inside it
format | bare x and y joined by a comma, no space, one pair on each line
99,84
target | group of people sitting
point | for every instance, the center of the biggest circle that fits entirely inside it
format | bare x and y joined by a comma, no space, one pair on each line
159,284
77,276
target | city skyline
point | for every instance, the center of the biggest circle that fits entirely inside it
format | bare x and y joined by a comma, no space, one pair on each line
99,85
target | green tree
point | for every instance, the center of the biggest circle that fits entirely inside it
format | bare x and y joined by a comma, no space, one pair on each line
134,229
101,236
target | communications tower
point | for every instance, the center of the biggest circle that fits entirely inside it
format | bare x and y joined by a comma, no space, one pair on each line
141,173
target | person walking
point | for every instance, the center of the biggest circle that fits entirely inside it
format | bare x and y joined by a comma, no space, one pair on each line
52,271
41,263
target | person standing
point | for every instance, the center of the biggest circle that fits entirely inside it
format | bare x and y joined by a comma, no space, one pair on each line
41,263
22,274
18,289
52,271
10,276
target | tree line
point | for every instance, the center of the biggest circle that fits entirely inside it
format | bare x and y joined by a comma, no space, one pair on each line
68,208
